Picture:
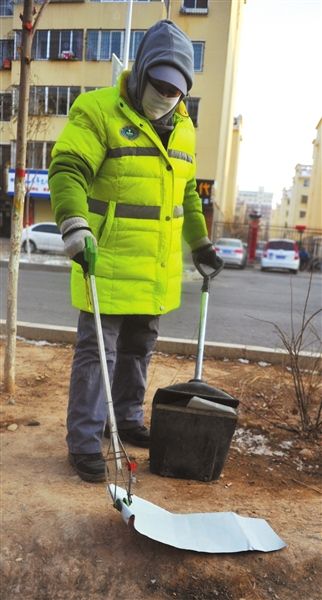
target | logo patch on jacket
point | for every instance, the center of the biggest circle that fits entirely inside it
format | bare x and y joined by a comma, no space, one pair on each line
130,132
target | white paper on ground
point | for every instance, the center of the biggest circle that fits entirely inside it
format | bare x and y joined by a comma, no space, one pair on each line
201,532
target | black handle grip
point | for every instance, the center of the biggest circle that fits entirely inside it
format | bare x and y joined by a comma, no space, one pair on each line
205,270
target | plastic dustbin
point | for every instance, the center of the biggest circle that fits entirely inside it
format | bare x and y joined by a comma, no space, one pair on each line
191,432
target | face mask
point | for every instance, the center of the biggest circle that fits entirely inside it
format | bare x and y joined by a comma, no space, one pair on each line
155,105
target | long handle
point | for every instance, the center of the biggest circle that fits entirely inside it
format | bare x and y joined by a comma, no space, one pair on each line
90,256
207,273
202,327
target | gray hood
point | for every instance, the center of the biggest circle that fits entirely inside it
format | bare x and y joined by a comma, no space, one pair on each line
163,43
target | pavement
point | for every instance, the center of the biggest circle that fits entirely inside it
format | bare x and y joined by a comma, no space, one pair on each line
67,335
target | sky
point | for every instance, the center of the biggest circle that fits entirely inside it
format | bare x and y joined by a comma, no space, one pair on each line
279,91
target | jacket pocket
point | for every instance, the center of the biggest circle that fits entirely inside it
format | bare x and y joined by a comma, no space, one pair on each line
106,226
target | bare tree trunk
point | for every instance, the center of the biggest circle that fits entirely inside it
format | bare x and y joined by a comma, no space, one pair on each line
19,193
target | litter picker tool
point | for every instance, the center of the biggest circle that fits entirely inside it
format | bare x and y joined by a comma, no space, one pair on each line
119,467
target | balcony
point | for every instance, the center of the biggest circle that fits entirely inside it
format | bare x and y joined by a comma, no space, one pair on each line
194,7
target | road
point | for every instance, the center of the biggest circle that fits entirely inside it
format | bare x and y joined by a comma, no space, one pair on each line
240,303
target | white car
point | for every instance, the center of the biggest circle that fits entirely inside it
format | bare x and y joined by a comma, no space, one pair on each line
232,251
44,237
281,254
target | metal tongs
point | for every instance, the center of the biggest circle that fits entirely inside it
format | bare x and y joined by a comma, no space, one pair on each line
119,467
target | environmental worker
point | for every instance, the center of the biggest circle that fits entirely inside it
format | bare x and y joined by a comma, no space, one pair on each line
123,173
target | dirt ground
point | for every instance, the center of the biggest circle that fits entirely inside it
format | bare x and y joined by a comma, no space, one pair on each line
63,540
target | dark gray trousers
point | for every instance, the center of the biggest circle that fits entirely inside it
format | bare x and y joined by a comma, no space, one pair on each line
129,342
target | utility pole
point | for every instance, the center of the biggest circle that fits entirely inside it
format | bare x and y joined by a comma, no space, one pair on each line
127,35
117,65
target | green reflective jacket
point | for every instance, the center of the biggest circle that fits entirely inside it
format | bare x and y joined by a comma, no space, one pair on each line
110,167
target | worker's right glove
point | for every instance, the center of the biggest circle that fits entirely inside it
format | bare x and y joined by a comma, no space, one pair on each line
74,231
206,255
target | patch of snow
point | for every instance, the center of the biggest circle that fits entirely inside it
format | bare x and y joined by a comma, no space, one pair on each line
262,363
256,443
287,444
36,342
244,361
299,464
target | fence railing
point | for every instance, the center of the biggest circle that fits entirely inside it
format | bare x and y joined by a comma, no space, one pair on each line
311,239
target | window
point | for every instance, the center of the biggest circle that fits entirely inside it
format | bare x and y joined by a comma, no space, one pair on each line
92,88
54,44
38,104
101,44
281,245
39,155
135,40
304,199
198,53
6,52
49,100
306,182
192,105
5,154
61,98
66,44
34,157
194,6
5,106
46,228
302,214
6,8
41,45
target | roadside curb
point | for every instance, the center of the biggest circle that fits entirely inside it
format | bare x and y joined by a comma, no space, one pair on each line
38,266
67,335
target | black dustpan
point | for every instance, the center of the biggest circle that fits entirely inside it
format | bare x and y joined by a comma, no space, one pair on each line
192,423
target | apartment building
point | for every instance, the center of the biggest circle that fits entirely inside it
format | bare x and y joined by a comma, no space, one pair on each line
292,210
72,52
300,208
314,207
281,213
254,201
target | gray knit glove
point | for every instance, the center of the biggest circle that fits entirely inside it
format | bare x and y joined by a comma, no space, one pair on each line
74,231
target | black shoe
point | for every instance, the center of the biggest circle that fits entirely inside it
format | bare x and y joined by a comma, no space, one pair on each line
90,467
138,436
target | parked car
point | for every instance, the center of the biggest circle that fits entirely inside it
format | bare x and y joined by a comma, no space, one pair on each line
232,251
281,254
44,237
